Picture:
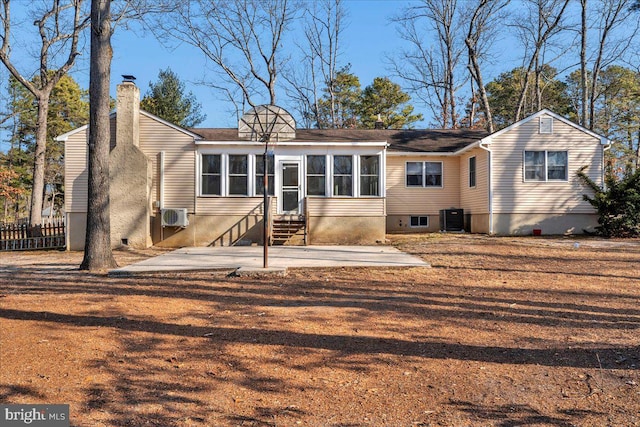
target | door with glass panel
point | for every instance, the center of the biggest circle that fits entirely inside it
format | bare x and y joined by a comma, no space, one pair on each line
290,188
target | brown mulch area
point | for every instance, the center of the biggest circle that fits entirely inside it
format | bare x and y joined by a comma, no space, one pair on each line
499,332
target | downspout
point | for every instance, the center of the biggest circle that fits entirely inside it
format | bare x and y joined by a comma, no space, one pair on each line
488,150
161,191
606,146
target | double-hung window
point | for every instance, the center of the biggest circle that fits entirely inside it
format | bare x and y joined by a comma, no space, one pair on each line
342,175
424,174
238,175
545,165
211,175
369,176
260,175
316,175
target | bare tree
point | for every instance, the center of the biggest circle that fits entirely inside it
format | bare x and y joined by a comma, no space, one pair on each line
57,33
242,38
431,71
544,21
611,15
483,22
324,23
584,79
97,253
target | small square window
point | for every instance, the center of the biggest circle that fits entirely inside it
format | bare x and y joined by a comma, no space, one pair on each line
419,221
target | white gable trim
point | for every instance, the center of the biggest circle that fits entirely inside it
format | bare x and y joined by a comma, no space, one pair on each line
603,140
171,125
66,136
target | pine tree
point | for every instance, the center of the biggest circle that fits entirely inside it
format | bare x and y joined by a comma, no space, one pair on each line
168,100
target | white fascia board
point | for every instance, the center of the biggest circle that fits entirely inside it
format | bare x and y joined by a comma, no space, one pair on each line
293,144
603,140
434,153
65,136
420,153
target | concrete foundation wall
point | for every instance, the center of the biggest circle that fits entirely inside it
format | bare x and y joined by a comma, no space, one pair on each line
210,230
346,230
76,230
524,224
479,223
402,224
214,230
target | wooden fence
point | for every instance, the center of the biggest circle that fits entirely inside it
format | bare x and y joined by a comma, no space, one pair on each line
24,237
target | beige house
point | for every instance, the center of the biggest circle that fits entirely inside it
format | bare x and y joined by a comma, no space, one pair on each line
196,187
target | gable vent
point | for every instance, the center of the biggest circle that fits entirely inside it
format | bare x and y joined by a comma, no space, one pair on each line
546,125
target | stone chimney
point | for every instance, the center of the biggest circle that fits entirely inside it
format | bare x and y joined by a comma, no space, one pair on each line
130,174
128,113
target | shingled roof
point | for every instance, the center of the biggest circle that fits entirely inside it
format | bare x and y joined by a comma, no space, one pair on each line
423,140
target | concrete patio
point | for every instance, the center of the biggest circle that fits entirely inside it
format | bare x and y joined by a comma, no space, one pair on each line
250,258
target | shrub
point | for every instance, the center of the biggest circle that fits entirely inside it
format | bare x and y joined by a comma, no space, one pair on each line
618,204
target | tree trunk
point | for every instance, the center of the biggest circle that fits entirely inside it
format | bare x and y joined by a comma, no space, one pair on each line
97,252
37,192
583,68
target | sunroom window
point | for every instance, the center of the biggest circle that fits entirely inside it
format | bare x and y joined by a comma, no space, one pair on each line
369,175
342,176
211,175
238,175
260,175
316,175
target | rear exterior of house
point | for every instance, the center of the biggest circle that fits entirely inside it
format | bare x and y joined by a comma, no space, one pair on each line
332,186
534,181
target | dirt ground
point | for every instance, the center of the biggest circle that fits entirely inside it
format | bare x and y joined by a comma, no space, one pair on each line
499,332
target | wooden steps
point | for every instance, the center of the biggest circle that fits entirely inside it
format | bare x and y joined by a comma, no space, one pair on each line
288,230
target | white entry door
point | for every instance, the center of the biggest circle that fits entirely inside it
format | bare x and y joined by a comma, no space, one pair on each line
290,189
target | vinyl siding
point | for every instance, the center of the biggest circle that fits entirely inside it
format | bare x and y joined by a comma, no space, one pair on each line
227,206
403,200
346,207
76,172
511,194
475,200
179,162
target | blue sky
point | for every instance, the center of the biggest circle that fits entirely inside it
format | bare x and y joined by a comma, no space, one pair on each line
367,37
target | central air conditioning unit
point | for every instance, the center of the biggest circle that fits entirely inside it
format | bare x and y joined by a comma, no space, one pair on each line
452,220
174,217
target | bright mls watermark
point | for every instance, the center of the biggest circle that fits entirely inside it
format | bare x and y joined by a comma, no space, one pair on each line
34,415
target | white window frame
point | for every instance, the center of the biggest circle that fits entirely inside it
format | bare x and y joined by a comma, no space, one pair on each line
222,175
360,175
424,174
354,165
545,166
254,160
248,175
327,185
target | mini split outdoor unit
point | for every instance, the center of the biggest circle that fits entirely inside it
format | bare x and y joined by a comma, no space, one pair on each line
174,217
